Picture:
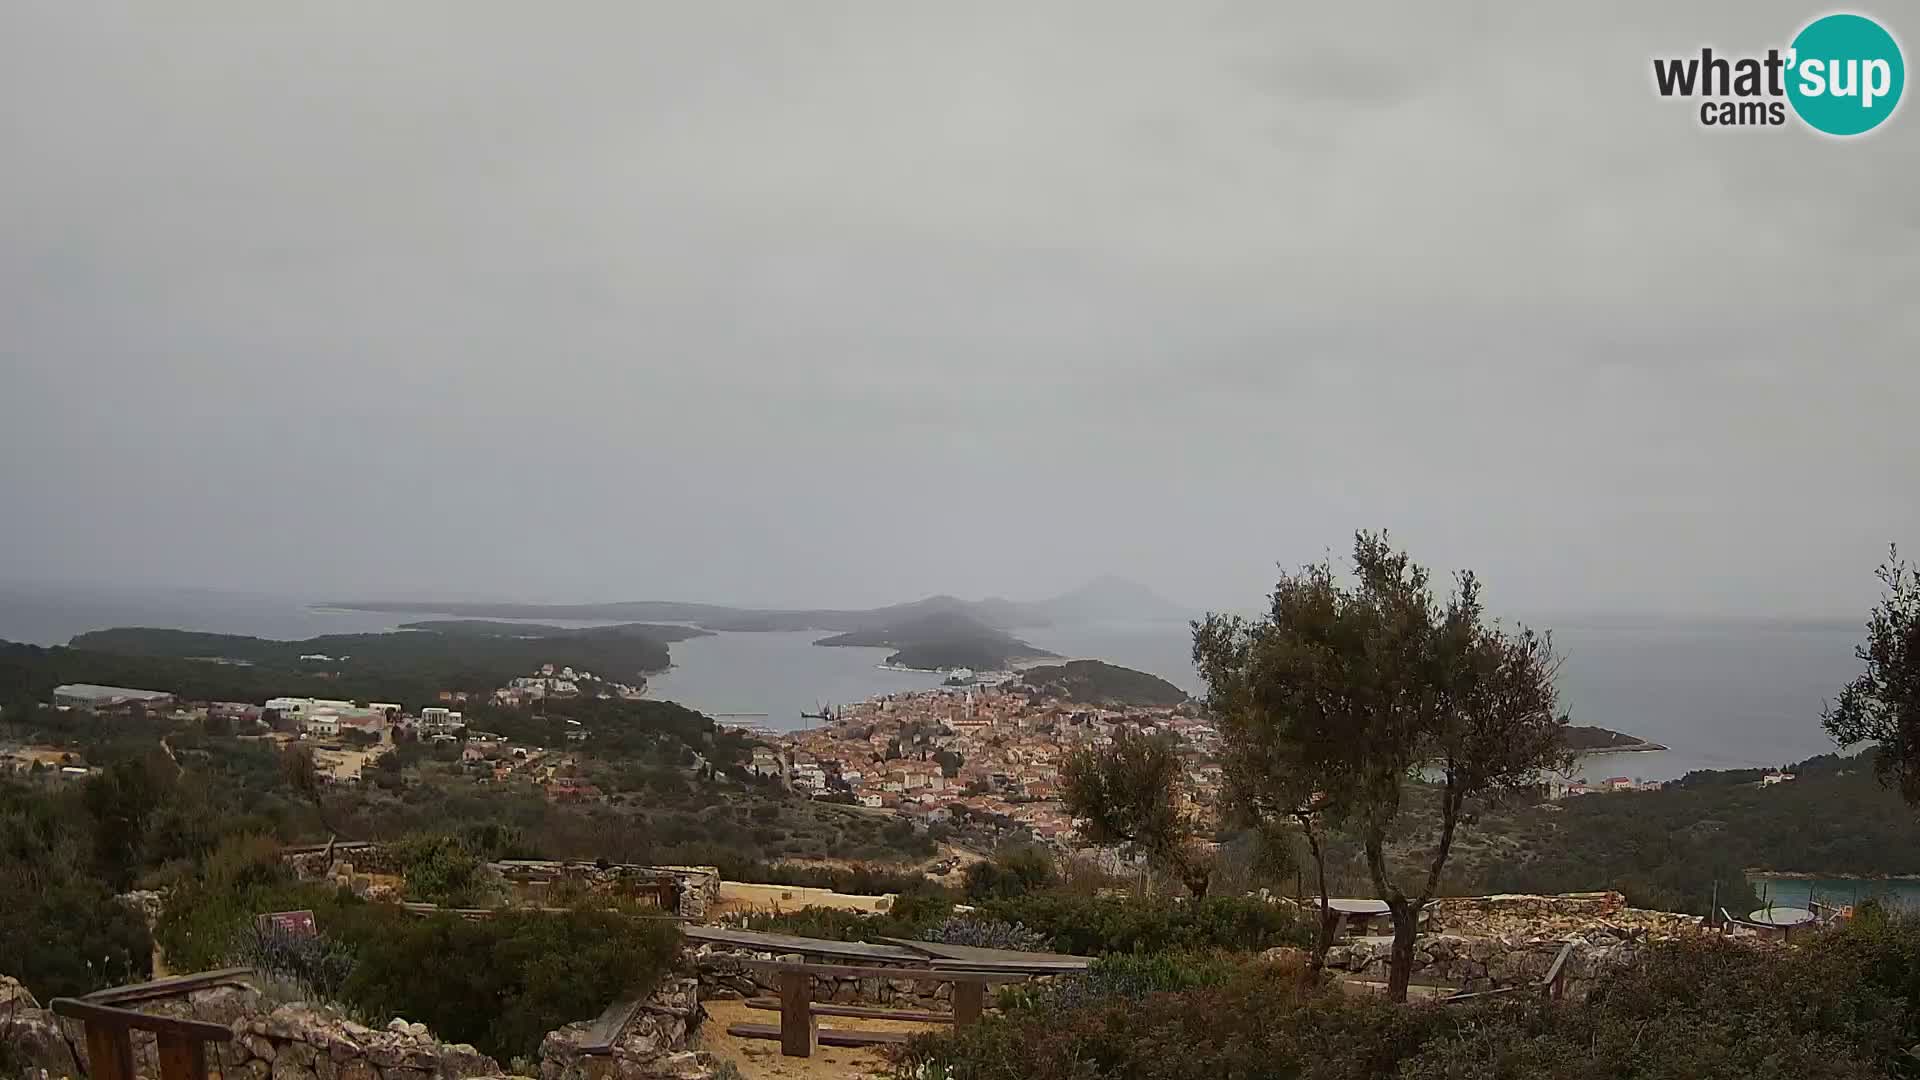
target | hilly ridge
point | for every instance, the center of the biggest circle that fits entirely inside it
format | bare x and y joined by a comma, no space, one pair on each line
1103,598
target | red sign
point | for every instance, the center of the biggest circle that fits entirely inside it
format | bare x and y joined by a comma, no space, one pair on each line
288,923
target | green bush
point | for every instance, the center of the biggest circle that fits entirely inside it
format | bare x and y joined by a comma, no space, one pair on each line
1014,872
62,932
1129,976
913,915
502,983
439,869
1091,926
1840,1008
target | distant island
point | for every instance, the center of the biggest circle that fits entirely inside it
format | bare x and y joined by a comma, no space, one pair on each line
1102,599
939,641
409,666
528,631
1097,682
1599,740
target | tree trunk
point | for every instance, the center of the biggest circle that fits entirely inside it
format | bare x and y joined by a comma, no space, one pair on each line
1406,914
1195,870
1323,937
1406,925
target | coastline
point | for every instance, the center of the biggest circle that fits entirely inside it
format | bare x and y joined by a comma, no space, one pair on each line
1803,875
1636,748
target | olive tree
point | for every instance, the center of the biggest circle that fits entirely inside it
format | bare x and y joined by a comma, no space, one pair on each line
1131,791
1346,695
1267,780
1882,703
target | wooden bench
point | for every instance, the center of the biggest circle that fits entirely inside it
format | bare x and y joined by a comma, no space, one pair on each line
798,1030
181,1044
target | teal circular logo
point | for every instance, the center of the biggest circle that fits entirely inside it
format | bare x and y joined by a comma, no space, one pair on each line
1846,74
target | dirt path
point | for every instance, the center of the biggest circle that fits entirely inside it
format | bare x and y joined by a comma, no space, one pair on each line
759,1059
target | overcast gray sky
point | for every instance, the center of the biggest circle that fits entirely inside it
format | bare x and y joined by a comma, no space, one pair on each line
836,303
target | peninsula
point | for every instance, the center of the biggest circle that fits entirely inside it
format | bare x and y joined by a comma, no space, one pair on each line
940,641
1599,740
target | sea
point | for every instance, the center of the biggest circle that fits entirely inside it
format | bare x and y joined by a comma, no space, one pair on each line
1719,693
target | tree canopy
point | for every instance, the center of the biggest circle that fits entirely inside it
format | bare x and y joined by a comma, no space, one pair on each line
1130,792
1882,703
1344,694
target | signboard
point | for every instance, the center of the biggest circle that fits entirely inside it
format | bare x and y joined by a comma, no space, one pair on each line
294,924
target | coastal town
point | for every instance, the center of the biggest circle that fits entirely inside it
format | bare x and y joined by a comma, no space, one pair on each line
988,748
993,750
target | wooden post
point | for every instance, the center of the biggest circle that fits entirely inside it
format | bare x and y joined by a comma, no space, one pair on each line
109,1053
796,1014
969,1001
182,1057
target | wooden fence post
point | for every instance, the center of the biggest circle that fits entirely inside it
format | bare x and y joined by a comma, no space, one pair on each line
969,1001
796,1014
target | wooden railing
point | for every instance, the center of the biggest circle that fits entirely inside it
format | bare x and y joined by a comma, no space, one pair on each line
181,1044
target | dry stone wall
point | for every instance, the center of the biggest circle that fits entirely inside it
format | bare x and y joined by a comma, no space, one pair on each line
723,974
1494,942
653,1044
304,1042
352,865
300,1041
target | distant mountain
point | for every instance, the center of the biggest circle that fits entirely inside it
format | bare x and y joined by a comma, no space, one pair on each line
1096,682
1102,599
1109,598
941,639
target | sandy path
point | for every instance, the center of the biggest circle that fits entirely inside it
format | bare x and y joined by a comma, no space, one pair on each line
759,1059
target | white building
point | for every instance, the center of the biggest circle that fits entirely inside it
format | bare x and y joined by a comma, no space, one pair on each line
435,720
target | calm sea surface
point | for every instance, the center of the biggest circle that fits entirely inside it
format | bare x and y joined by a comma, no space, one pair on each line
1721,693
1839,892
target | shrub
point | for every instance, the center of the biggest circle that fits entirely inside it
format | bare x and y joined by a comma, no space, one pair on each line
1092,926
317,965
912,916
1014,872
440,870
1712,1009
502,983
1127,976
987,934
859,880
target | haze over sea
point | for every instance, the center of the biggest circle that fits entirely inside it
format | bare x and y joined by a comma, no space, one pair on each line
1721,693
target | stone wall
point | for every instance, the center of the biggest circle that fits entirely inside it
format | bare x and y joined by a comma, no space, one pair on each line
1492,963
1554,915
722,975
312,864
1494,942
652,1045
36,1043
299,1041
350,864
303,1042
